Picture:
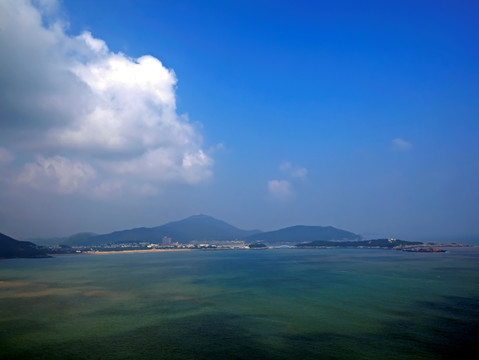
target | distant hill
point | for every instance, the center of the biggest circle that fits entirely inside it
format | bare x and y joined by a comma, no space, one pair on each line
81,236
376,243
301,233
206,229
62,240
11,248
198,228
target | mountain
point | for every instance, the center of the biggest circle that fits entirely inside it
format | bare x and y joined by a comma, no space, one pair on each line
62,240
301,233
198,228
203,228
11,248
206,229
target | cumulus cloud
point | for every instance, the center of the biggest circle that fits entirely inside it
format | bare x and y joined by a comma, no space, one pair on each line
400,145
280,189
57,174
283,189
292,171
78,116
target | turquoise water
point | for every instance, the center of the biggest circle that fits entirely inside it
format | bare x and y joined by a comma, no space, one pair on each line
262,304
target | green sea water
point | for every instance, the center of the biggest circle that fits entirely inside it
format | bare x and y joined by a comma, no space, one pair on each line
256,304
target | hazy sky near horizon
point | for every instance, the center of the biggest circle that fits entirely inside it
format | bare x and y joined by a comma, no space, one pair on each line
265,114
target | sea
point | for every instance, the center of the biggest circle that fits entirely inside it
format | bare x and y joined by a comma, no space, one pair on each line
242,304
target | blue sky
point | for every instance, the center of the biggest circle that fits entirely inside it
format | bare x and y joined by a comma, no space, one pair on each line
362,116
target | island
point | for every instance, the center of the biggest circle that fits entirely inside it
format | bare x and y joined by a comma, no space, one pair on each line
391,243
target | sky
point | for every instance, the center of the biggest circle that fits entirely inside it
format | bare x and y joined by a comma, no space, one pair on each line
264,114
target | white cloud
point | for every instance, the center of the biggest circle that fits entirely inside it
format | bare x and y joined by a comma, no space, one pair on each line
400,145
97,45
292,171
62,95
280,189
300,173
285,166
164,164
283,189
56,174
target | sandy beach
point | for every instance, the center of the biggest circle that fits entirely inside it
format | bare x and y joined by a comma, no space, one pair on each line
134,251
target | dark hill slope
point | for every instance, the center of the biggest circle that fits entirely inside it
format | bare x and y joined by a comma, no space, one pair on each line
11,248
301,233
198,228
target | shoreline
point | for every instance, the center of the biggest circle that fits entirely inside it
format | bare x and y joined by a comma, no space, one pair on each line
133,251
141,251
144,251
